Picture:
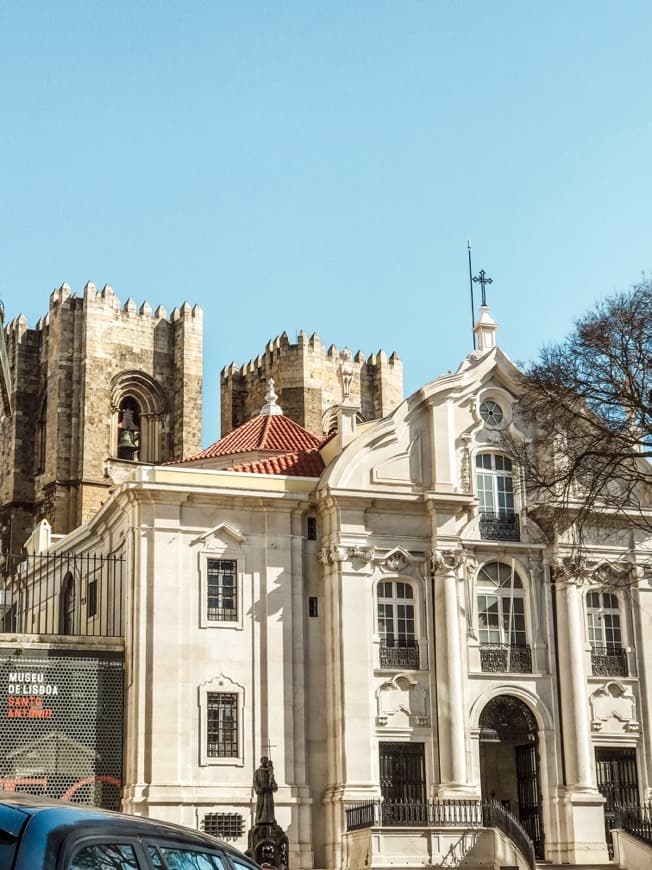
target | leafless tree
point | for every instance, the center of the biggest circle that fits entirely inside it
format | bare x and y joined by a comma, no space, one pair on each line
589,400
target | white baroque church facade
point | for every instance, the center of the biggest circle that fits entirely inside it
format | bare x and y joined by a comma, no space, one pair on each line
380,613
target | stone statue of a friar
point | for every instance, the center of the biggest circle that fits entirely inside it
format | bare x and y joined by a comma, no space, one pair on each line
265,786
268,843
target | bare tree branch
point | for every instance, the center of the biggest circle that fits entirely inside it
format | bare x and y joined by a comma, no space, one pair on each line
589,401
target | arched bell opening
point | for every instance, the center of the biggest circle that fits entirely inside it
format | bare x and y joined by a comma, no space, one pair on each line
509,762
128,429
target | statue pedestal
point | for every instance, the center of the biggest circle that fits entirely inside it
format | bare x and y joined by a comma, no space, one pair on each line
268,844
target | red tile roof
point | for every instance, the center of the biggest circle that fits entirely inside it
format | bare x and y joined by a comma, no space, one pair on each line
272,432
305,464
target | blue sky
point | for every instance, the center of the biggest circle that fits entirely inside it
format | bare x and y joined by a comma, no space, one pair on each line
320,166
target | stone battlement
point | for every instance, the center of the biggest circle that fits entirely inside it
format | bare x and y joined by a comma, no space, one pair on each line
277,347
107,298
307,375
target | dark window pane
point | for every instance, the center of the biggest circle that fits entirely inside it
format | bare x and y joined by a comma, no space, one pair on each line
222,590
222,725
184,859
105,856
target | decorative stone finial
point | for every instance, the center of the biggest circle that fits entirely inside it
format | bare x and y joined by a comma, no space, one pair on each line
270,407
485,329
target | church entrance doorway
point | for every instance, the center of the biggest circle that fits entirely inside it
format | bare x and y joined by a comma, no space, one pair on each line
403,783
509,762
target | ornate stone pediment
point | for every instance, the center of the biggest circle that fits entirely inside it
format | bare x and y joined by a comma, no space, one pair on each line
613,709
396,561
402,702
224,534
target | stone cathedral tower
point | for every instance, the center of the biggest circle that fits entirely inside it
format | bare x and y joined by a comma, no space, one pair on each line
309,379
96,388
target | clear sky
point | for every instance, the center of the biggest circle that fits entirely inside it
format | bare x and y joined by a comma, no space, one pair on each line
320,166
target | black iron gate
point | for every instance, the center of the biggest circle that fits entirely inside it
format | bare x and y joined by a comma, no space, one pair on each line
403,782
618,782
529,797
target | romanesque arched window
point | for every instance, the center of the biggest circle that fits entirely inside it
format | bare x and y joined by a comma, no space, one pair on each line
129,429
136,428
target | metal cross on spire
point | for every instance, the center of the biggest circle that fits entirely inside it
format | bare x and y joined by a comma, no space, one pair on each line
482,279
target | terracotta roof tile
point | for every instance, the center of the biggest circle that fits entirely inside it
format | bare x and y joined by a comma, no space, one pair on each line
273,432
304,464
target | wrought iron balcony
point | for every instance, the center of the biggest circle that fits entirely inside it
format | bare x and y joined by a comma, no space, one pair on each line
609,661
502,658
499,526
399,653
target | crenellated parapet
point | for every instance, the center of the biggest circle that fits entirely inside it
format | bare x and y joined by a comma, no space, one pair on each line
309,378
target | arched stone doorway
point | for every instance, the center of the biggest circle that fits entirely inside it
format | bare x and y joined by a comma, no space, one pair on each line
509,762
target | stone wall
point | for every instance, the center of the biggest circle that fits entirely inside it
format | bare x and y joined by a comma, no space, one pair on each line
308,382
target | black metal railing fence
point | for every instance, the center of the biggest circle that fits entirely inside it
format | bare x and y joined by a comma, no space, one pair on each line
63,594
441,814
637,821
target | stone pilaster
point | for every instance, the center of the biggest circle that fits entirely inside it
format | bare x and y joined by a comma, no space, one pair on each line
581,802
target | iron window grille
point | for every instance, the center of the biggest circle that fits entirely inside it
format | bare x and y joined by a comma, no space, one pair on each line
222,603
221,725
227,826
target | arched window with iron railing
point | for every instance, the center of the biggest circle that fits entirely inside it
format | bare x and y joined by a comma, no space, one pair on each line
495,490
605,635
396,612
502,627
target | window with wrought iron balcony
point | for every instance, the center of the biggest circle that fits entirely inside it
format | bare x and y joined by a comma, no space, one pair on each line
396,621
498,519
608,658
501,620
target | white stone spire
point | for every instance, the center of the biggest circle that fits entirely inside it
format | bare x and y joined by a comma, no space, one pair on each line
270,407
485,330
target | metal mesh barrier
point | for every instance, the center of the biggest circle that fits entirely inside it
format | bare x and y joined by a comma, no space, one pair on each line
61,715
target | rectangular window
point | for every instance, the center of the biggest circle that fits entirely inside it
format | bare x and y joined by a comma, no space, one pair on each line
221,725
312,528
91,599
313,605
222,601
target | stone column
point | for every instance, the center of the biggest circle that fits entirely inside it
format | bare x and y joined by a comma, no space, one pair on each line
450,667
582,803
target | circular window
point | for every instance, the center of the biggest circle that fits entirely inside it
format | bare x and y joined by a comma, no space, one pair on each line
491,412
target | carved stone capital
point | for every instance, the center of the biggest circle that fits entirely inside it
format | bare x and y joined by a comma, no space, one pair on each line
445,561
